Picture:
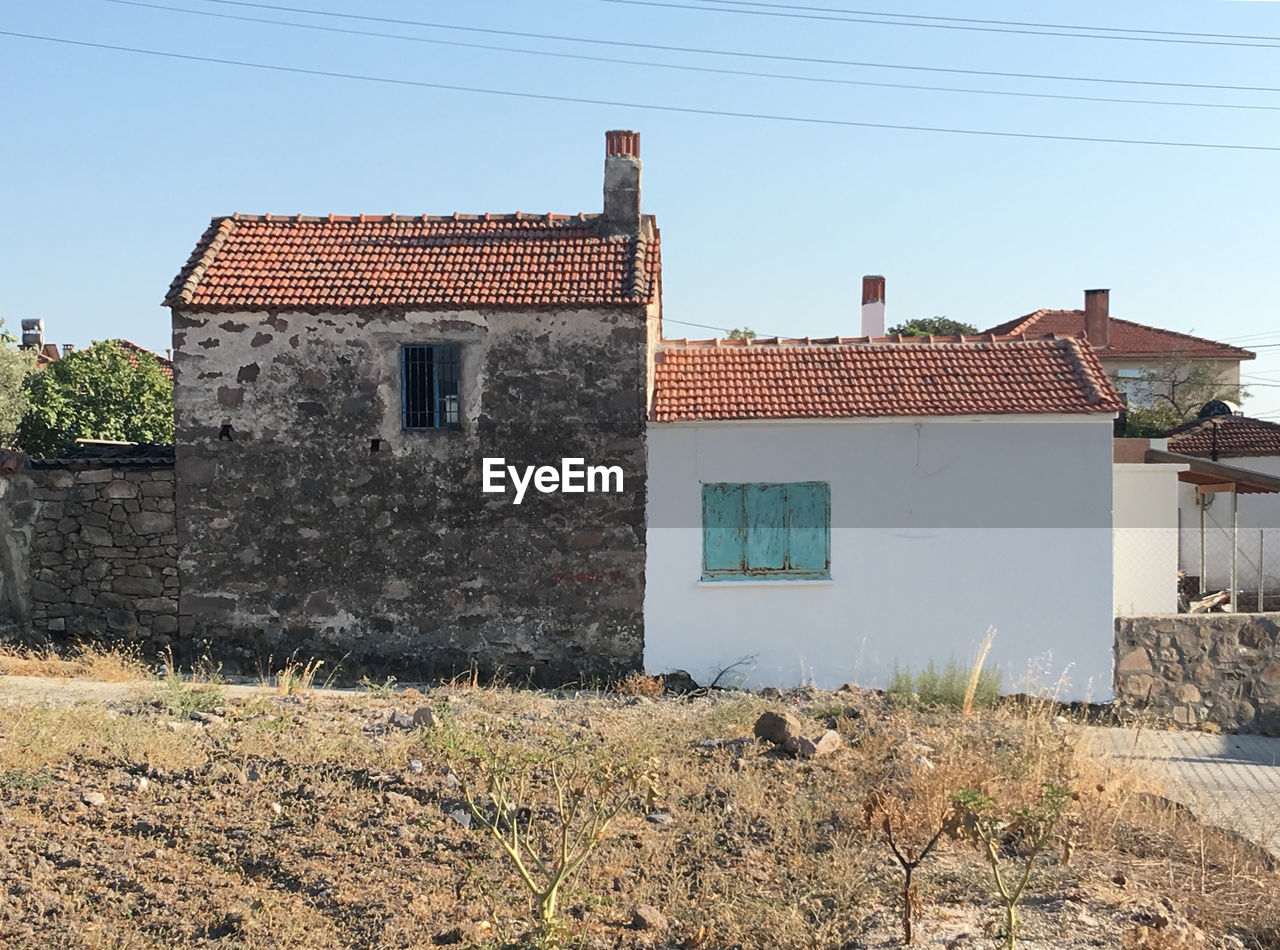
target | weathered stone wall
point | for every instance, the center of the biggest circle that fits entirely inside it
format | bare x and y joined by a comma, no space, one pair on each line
17,521
1194,668
103,562
295,536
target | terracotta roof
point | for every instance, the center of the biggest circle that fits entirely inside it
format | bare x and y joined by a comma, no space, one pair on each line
50,352
1129,340
350,262
166,364
903,376
1238,437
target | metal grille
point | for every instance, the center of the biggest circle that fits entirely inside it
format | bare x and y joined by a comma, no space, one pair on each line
429,385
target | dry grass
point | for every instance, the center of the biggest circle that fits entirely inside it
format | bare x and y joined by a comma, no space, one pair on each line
299,821
82,661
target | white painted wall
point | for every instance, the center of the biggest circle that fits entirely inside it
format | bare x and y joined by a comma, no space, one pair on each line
1145,505
1258,515
940,529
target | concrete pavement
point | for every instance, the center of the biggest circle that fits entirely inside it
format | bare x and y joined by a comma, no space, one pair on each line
1229,781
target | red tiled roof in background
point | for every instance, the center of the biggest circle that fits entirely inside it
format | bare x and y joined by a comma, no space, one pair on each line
166,364
1238,437
856,378
345,262
1128,340
50,352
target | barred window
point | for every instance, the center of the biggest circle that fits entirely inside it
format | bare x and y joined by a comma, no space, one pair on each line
429,375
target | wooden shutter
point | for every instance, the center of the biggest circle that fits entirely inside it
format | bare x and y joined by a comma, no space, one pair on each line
766,506
723,528
808,506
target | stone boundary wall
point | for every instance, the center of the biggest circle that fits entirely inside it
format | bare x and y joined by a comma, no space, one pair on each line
1195,668
101,557
17,519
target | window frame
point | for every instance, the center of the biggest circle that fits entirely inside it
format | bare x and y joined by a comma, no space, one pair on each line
732,507
441,363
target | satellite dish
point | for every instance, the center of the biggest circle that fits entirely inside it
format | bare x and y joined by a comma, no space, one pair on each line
1217,407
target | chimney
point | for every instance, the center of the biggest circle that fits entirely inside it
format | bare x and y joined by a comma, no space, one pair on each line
621,182
1097,318
873,306
68,348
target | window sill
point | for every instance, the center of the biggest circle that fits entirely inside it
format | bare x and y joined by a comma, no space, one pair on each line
768,582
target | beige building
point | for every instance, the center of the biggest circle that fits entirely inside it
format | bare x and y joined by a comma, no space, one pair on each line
1139,359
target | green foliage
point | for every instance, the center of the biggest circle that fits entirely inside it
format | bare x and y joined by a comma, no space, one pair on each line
742,333
15,365
22,780
182,696
931,687
104,392
1025,832
1152,423
1162,398
935,326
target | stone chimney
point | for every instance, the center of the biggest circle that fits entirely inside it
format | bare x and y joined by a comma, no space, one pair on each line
873,306
1097,317
621,182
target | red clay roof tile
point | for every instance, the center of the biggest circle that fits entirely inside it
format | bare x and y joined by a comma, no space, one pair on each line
1238,437
347,262
856,378
1129,340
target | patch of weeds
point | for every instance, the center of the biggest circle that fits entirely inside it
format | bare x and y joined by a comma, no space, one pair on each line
22,780
295,678
639,684
953,686
182,696
384,690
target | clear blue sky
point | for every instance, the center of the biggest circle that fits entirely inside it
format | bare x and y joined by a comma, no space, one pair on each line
113,162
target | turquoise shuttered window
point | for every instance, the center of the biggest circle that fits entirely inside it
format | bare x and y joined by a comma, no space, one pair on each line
766,529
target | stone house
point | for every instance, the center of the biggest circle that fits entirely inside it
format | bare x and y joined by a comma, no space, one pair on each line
340,382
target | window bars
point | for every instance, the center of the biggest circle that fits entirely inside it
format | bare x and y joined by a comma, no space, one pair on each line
429,385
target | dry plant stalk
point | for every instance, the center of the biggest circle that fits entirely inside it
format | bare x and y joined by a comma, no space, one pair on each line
892,810
975,674
590,790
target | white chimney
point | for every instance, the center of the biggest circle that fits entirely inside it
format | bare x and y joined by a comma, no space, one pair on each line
873,306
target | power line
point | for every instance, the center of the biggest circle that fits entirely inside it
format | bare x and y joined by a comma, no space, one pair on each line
777,57
970,27
689,68
646,106
922,16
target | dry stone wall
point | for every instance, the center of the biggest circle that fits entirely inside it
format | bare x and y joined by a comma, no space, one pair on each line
1195,668
96,551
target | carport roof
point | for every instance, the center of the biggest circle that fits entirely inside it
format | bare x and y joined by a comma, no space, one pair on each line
1202,472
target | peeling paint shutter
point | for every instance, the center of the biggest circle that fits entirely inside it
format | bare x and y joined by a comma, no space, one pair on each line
723,539
766,527
808,527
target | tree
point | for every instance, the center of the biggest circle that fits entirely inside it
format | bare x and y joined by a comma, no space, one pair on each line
1164,397
742,333
104,392
935,326
15,365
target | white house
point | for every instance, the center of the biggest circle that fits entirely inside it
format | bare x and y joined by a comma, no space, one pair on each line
826,510
1244,443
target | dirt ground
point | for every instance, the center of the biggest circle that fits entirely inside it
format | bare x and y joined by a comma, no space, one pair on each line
163,813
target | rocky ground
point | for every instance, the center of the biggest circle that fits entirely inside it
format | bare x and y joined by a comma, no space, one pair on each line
181,816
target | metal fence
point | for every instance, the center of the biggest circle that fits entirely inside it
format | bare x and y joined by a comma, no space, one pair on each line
1147,562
